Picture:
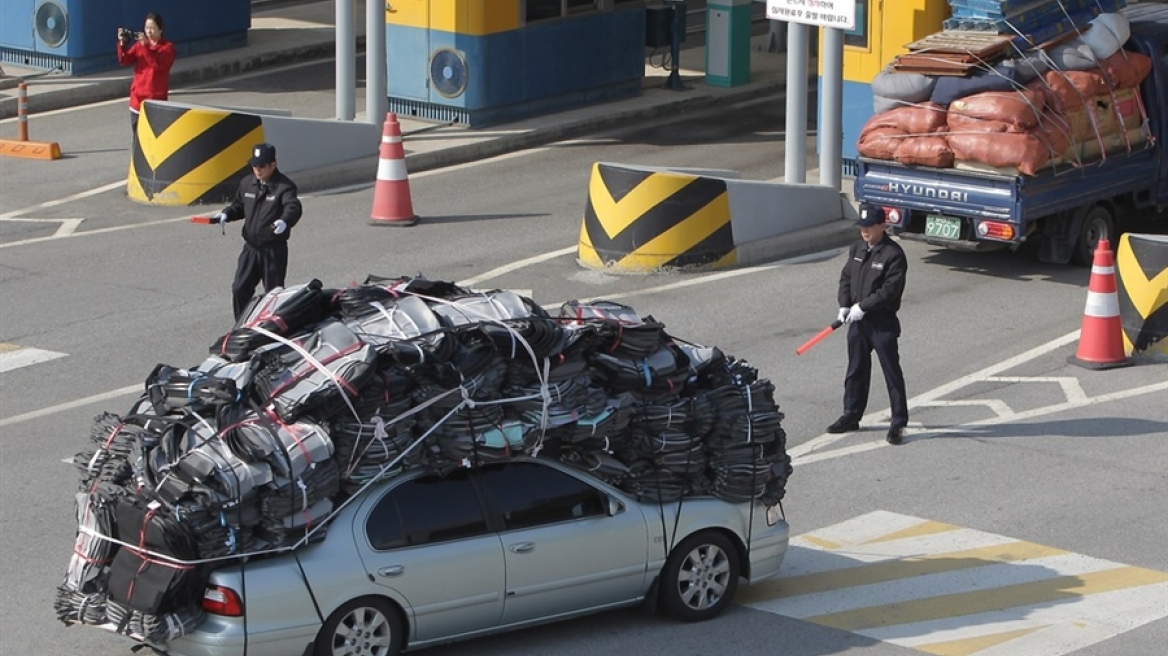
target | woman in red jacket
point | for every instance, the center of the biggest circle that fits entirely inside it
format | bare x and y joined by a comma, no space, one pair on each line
152,56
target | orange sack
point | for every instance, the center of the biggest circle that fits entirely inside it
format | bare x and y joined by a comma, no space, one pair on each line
1026,151
925,151
919,118
1126,69
1019,109
880,143
1066,90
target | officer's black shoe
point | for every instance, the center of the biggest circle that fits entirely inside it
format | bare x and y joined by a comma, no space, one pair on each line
896,435
844,425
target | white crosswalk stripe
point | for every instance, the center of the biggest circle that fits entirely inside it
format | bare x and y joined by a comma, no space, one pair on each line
953,591
13,356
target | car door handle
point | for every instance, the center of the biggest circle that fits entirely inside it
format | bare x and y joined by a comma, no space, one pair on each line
392,570
522,547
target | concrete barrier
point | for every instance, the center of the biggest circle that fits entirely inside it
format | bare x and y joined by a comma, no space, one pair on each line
647,219
191,154
1141,265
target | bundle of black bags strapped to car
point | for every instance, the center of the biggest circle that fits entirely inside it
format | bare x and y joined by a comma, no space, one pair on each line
316,393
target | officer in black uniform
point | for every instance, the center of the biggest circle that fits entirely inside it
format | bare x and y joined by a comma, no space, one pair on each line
870,287
267,203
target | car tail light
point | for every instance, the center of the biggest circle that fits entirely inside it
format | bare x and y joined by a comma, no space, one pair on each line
220,600
892,216
996,230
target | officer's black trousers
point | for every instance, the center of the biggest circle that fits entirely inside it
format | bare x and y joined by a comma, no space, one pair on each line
268,264
877,332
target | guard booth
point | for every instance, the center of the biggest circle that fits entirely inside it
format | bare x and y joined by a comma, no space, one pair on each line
482,62
883,30
79,36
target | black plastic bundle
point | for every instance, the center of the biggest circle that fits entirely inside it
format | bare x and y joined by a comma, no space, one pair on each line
149,576
283,497
76,607
219,533
746,414
283,311
386,393
365,448
173,389
740,473
158,629
294,384
281,532
91,556
404,330
653,484
661,374
110,461
673,450
597,463
355,302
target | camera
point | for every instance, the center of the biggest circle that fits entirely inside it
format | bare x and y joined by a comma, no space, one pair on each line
125,35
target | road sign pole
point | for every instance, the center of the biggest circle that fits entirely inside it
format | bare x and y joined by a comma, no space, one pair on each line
831,118
796,164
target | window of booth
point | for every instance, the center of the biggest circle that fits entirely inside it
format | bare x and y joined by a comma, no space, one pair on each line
858,37
538,10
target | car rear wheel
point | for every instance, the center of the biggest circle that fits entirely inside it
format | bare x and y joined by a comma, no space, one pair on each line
367,626
700,577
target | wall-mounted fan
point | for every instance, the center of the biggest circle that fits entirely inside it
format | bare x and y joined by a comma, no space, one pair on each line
52,24
448,73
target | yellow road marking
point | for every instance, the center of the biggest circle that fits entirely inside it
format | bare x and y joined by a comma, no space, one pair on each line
924,528
894,570
8,347
968,646
1061,588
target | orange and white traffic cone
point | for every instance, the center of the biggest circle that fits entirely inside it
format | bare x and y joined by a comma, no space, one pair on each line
1101,339
391,193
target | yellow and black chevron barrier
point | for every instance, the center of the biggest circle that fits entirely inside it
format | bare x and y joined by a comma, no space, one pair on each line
640,221
1142,267
190,155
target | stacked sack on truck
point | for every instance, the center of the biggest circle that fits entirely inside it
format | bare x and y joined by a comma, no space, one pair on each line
1068,104
318,393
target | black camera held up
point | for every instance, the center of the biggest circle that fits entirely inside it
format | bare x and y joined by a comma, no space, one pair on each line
126,36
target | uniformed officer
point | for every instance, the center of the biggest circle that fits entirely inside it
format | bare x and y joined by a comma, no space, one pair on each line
267,203
871,285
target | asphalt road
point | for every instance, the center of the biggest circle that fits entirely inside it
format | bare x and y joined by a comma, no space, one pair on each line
1009,444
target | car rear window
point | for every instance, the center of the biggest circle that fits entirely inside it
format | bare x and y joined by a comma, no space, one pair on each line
529,494
426,510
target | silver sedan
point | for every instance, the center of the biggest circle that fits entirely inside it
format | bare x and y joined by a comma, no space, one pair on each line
420,560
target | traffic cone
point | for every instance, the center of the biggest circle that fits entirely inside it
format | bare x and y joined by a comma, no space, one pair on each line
1101,339
391,193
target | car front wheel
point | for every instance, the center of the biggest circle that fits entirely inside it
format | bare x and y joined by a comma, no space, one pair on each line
363,627
700,577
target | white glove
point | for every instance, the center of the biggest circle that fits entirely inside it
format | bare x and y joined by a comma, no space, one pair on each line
855,314
843,315
220,218
279,227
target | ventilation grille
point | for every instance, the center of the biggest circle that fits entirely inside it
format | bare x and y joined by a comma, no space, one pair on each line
429,111
31,59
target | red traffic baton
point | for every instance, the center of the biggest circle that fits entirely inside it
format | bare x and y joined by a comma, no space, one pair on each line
819,337
205,220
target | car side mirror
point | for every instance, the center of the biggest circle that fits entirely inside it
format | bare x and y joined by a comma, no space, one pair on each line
615,507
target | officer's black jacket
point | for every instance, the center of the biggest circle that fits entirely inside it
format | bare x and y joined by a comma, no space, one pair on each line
874,279
261,205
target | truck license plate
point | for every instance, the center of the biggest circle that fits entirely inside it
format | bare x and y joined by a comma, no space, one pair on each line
942,226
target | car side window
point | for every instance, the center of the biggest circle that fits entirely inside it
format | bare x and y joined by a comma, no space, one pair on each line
528,494
425,510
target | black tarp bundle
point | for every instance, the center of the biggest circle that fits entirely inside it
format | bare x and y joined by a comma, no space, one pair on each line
316,393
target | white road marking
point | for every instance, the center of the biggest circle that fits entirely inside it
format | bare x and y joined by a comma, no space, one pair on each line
79,403
99,231
514,266
24,357
67,199
947,590
930,397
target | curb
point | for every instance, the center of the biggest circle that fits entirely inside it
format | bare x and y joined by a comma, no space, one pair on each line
110,89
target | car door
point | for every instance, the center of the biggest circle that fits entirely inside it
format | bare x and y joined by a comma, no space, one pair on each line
427,539
563,550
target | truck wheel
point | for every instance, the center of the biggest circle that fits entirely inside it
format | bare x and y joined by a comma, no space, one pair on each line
1098,223
367,626
700,577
